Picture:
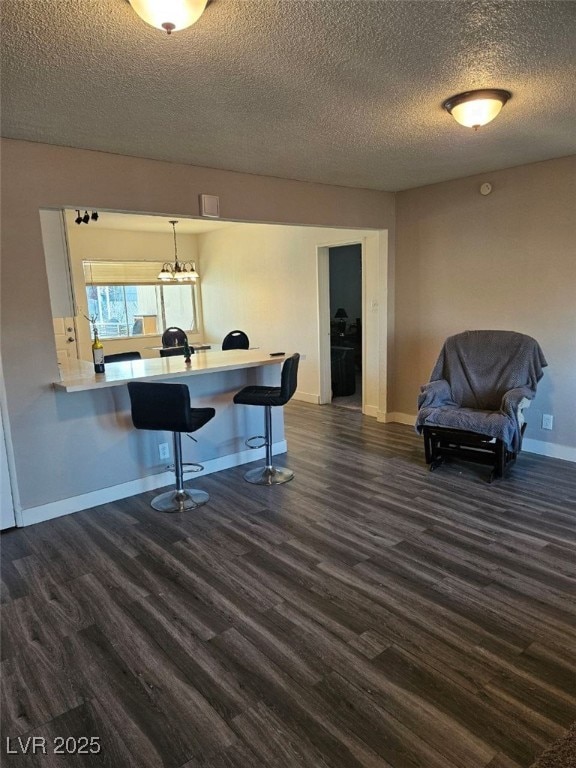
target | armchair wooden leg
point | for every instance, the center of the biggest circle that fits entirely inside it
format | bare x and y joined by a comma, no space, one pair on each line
428,446
500,461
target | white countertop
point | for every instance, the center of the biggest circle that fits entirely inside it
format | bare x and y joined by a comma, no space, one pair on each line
79,376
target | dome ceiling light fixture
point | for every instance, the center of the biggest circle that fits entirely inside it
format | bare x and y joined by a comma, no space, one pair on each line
169,15
475,108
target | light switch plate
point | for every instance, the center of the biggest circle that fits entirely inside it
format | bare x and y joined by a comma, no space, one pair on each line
210,206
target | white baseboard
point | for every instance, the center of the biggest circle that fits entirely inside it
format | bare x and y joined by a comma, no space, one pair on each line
307,397
396,417
149,483
370,410
565,452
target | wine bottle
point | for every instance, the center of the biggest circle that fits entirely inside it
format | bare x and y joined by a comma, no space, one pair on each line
187,351
98,353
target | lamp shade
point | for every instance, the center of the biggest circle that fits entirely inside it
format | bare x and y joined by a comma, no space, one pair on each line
165,273
192,274
169,15
475,108
341,313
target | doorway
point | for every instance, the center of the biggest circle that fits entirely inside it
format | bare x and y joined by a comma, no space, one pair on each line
7,514
373,319
345,280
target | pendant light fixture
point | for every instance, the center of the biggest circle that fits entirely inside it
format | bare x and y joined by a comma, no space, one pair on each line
475,108
180,271
169,15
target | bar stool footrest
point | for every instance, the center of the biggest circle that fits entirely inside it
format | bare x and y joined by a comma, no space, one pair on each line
196,467
248,443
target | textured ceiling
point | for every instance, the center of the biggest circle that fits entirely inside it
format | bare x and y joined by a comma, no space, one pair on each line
339,91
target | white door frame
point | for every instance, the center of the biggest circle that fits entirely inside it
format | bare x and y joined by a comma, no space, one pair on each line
374,320
60,285
324,363
8,495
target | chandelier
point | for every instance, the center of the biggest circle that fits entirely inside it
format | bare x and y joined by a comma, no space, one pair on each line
181,271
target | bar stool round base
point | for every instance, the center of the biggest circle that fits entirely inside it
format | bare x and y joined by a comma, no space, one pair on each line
175,501
269,475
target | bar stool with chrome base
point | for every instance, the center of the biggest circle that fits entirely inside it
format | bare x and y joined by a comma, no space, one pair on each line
166,407
269,397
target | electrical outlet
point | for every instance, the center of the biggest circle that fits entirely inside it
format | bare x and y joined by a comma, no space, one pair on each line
164,451
547,421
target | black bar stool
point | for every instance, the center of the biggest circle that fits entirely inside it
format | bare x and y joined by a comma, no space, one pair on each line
235,340
166,407
120,357
174,337
268,397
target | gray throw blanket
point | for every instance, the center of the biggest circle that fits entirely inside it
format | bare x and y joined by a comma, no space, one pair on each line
478,383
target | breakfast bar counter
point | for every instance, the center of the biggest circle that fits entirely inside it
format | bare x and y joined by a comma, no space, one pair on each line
106,458
79,376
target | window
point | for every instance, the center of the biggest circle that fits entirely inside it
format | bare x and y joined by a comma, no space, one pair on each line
127,300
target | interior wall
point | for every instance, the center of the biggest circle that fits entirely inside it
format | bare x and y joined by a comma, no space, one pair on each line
264,281
94,242
65,445
503,261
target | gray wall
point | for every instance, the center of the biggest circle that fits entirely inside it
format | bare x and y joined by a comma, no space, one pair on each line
504,261
463,261
67,445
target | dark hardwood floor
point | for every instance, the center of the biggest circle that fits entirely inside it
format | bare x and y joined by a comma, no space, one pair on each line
368,613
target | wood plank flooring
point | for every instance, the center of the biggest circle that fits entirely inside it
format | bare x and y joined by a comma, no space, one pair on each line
369,614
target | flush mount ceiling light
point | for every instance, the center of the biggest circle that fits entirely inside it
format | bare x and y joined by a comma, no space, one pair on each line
475,108
169,15
181,271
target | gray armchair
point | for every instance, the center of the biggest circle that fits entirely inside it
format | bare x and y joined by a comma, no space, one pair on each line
472,407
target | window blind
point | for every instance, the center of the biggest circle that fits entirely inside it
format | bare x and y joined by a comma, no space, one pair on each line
121,272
